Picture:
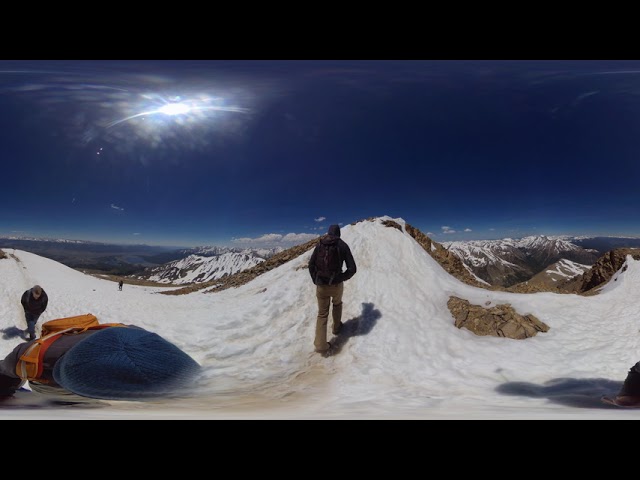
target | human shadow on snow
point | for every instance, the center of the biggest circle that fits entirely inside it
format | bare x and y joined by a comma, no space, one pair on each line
360,325
12,332
572,392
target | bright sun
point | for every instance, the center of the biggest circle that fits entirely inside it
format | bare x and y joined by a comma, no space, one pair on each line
201,108
174,109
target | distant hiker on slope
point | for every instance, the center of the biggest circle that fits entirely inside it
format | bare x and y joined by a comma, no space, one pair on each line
325,268
120,283
34,302
121,362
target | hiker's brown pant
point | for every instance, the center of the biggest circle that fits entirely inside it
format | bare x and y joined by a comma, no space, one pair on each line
325,294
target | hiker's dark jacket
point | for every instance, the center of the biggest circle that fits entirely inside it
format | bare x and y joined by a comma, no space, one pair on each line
33,306
345,256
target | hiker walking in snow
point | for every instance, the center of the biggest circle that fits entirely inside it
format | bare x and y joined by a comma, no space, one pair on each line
325,268
34,302
120,283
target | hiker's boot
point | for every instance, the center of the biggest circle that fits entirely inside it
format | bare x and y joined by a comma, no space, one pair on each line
324,351
629,394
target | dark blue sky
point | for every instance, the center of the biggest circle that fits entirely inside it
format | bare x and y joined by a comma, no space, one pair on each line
228,152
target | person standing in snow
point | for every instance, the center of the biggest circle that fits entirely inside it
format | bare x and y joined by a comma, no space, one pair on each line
34,302
120,283
325,268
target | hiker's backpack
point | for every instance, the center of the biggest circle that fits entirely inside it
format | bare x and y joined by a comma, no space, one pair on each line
30,365
328,260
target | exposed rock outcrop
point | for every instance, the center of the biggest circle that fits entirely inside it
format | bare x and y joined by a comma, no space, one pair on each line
560,277
606,266
498,321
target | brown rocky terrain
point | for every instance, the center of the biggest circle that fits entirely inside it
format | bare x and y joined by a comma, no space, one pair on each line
451,263
498,320
559,277
605,267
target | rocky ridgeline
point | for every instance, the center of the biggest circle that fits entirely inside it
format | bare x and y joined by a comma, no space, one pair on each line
604,268
450,262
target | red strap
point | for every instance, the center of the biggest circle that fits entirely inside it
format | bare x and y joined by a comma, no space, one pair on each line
44,346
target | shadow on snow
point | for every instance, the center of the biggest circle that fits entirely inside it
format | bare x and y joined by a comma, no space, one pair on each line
572,392
353,327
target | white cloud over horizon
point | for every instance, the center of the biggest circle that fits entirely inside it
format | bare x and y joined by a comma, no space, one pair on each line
275,239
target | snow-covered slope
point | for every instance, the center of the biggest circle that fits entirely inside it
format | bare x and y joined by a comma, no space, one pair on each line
400,355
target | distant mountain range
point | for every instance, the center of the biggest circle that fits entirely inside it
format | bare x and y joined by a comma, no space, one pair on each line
209,263
95,256
536,262
510,261
145,262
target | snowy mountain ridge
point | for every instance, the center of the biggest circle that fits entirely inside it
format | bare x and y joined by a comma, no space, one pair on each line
509,261
207,263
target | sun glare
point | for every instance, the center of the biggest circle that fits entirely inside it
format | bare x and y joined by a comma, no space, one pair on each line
175,109
199,109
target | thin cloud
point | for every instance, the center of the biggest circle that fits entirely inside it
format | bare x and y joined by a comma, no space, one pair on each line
115,207
320,219
275,240
619,72
298,237
583,96
268,237
446,229
468,230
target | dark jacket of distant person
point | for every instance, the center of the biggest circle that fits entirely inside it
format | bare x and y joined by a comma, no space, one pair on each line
33,305
333,236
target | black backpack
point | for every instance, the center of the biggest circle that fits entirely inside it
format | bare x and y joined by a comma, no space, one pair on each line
328,260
